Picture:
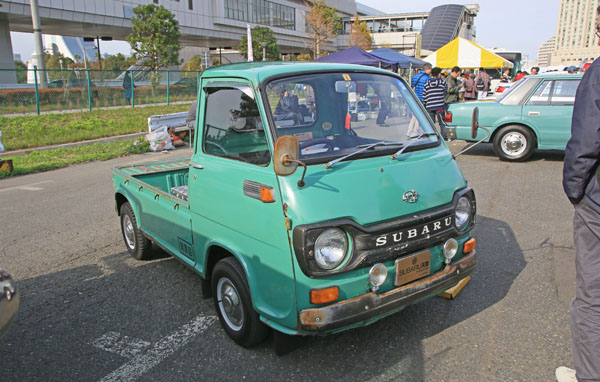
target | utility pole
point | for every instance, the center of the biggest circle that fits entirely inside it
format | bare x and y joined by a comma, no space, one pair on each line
39,47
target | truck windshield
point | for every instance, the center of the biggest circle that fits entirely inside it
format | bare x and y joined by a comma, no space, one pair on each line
334,114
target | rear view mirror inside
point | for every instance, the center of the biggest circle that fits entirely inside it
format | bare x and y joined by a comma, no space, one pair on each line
345,86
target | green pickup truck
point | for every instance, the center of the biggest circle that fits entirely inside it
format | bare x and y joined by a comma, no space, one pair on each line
319,198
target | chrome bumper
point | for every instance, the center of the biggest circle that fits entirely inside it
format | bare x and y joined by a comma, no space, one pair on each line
370,305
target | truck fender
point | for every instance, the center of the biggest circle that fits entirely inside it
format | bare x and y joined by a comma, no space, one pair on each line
213,254
122,196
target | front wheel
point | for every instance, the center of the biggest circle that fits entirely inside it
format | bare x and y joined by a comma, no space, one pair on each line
231,296
514,143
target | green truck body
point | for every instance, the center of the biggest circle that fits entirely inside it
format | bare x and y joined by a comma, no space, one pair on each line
314,253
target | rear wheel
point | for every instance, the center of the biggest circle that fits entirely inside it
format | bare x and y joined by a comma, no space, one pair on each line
231,296
514,143
137,244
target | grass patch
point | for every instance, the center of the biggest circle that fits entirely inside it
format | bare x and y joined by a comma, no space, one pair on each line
39,161
52,129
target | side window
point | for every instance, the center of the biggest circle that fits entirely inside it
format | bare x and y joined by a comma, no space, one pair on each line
564,92
542,94
232,125
292,104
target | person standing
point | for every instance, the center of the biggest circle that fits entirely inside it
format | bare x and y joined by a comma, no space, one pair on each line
419,80
453,86
482,84
505,76
433,99
581,182
127,86
470,92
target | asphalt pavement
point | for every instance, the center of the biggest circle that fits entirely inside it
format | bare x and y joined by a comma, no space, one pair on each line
91,312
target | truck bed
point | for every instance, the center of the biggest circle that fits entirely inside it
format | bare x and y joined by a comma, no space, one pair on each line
168,176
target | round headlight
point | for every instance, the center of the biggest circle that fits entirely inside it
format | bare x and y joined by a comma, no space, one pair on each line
377,276
330,248
462,213
450,249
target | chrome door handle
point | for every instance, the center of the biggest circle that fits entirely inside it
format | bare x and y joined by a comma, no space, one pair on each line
198,166
534,113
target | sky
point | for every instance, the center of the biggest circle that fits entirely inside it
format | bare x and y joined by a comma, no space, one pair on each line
521,25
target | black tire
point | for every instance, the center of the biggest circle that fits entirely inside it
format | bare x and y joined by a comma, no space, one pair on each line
238,318
514,143
138,246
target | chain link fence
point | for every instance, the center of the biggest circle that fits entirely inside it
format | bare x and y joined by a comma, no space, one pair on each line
26,91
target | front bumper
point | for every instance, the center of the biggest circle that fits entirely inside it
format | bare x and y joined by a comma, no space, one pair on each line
370,305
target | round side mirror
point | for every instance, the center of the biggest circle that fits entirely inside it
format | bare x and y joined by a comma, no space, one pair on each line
475,123
286,152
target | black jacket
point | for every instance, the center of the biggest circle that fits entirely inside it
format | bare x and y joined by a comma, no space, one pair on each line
583,150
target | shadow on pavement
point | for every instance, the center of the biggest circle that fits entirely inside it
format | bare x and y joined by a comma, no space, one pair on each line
487,150
64,312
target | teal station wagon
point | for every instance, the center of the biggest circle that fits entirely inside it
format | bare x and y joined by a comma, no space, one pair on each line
534,113
378,216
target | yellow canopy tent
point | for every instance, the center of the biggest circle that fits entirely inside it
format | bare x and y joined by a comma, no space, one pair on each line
467,55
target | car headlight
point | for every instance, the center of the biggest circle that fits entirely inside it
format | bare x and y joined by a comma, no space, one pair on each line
463,212
330,248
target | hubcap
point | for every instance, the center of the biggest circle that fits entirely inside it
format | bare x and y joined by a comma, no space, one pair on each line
513,143
128,231
230,304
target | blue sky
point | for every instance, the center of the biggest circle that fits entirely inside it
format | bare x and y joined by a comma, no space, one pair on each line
511,24
521,25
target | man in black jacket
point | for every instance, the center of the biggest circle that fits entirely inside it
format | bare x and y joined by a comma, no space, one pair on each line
454,86
581,177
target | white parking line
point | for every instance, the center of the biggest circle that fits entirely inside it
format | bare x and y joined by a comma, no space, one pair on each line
122,345
27,187
143,361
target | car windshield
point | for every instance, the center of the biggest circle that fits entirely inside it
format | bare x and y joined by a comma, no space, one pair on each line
336,114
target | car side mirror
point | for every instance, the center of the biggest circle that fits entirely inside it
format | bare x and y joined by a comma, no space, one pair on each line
287,152
475,123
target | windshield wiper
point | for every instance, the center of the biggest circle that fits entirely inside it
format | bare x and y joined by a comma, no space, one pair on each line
362,148
404,147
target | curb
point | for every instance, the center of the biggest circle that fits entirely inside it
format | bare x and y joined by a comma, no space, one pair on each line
73,144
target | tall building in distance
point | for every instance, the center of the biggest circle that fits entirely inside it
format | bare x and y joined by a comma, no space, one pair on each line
545,52
575,38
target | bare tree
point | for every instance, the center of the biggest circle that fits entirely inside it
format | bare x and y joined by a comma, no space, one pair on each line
322,24
360,35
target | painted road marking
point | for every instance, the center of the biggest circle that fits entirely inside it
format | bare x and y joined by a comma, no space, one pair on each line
124,346
27,187
151,355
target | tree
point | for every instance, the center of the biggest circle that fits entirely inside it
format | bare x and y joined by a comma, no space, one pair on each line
261,35
360,35
154,38
194,64
21,69
303,57
322,24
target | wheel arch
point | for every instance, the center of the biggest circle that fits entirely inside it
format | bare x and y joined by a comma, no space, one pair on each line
214,254
507,124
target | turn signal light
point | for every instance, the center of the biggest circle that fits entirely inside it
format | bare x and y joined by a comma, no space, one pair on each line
469,246
448,117
322,296
266,195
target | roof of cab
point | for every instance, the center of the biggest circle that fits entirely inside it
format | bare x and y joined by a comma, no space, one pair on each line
555,75
259,71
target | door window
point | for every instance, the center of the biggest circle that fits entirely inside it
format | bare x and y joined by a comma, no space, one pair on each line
233,127
564,92
542,94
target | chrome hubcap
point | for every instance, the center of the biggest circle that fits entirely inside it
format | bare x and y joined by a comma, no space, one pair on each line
514,143
230,304
129,232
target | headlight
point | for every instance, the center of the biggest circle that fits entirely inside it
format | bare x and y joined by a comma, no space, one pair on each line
463,212
330,248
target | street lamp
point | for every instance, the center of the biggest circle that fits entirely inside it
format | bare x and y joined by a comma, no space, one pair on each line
98,38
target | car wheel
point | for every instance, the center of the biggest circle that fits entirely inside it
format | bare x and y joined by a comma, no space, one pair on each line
137,244
231,297
514,143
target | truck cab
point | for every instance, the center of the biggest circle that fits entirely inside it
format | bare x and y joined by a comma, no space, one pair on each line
319,197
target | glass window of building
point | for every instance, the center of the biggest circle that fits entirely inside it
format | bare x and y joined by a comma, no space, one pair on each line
261,12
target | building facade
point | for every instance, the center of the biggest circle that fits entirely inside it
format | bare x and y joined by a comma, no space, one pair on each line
545,52
575,38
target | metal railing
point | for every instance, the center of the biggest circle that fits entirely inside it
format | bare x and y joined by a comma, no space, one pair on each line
22,90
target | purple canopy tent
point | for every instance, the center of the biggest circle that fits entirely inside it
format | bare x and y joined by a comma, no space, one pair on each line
355,55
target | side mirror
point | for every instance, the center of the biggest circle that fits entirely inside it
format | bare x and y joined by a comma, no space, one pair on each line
475,123
287,152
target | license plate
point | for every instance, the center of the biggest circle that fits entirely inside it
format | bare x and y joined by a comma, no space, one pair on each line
412,267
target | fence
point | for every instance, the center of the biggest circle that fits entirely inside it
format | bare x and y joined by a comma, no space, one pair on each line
22,91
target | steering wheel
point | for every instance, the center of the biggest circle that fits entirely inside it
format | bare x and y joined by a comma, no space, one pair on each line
318,141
